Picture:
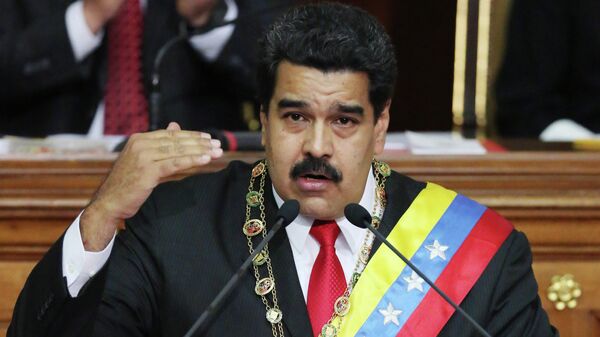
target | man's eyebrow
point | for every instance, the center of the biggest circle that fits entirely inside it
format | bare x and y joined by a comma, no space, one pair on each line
350,108
291,103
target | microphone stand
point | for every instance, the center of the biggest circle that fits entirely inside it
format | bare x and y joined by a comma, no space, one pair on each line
287,213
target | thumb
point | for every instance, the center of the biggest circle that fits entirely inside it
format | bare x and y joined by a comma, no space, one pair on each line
174,126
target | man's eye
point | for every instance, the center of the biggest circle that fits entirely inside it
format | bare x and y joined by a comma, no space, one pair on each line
295,117
345,121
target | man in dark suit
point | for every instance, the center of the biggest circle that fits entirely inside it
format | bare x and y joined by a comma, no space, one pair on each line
54,64
326,75
550,71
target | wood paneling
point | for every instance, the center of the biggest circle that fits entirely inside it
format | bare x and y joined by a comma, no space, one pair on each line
554,197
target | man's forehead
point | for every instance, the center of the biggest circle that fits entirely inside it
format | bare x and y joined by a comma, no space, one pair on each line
304,83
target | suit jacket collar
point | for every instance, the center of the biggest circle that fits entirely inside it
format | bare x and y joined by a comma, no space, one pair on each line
400,192
291,300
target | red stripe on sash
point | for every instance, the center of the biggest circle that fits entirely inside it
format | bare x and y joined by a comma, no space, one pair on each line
457,279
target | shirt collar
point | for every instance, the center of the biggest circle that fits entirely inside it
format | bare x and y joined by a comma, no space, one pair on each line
298,230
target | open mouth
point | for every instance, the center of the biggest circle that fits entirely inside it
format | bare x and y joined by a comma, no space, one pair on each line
315,176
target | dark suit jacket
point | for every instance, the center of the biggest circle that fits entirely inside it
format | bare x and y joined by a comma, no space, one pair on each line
43,90
186,242
551,69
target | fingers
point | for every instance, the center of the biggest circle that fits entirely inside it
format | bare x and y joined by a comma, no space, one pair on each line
165,153
173,133
173,168
163,148
174,126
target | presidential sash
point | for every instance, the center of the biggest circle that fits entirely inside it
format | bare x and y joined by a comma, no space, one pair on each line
451,239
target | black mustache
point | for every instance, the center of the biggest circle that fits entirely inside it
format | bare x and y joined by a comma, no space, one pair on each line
317,166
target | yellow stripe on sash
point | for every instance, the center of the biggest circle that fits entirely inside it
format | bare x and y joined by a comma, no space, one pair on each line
385,267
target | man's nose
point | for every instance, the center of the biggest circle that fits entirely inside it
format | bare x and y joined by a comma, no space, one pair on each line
318,141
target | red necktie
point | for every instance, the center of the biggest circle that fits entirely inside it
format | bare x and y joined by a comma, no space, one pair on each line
126,108
327,281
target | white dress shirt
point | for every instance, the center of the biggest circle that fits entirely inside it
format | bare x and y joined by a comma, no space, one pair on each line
80,265
305,248
84,41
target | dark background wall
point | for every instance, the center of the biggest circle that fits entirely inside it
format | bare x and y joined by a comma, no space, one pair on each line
423,33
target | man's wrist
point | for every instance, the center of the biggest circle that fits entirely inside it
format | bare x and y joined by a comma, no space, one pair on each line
94,20
208,20
97,228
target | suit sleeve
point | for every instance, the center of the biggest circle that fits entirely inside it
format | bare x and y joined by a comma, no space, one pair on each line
36,57
120,301
129,306
516,307
236,64
45,308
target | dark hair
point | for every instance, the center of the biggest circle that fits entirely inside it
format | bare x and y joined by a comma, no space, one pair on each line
329,37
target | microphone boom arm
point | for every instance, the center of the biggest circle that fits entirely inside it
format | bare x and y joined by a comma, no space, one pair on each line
233,281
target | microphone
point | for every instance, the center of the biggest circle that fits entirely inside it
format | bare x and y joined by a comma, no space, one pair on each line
184,34
237,140
286,214
360,217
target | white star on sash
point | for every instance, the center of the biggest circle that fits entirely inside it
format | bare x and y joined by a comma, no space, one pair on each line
436,250
414,282
390,314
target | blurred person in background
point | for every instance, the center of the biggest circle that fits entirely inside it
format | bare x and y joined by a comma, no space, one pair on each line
549,83
85,66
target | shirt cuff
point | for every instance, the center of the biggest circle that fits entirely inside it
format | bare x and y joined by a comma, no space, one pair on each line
79,265
83,40
211,43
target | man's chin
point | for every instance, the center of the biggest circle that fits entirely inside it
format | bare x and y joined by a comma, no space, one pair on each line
320,208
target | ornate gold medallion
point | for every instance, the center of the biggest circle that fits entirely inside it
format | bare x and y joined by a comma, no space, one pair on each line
342,306
258,169
274,315
375,221
264,286
260,258
384,169
328,331
253,198
253,227
364,254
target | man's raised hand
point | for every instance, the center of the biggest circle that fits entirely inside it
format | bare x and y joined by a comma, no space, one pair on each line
147,160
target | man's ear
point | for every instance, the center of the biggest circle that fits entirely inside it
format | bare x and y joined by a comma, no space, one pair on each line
381,127
264,120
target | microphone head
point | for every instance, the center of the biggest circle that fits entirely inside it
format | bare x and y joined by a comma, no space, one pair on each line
288,211
357,215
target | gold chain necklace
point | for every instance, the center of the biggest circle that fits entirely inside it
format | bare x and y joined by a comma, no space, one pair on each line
265,286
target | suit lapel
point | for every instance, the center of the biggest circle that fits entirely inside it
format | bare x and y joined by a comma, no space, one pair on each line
289,292
400,192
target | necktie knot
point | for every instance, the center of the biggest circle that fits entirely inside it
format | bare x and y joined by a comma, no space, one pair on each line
325,232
